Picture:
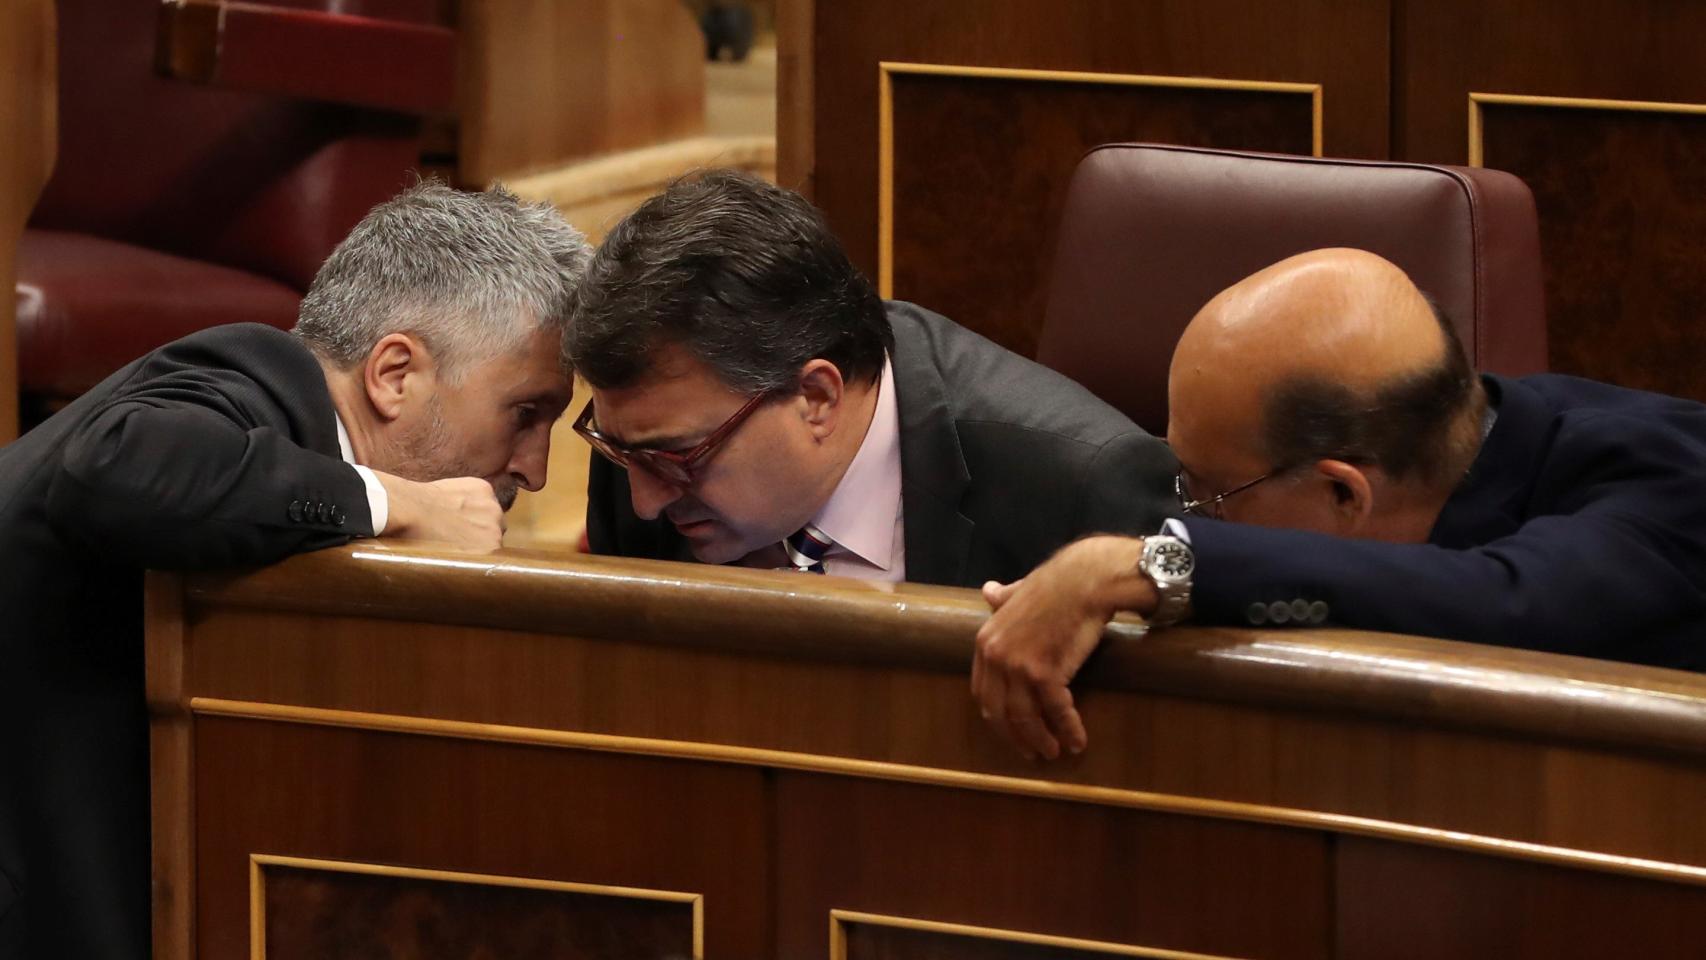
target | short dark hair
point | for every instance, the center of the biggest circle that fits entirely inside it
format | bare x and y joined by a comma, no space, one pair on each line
744,274
1406,426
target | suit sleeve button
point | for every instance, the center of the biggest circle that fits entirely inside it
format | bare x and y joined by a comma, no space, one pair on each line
295,511
1257,614
1318,612
1279,612
338,516
1300,611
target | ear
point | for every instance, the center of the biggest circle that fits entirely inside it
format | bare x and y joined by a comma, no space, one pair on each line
822,389
1352,494
397,368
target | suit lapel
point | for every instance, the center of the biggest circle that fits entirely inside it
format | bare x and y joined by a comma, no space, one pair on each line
933,475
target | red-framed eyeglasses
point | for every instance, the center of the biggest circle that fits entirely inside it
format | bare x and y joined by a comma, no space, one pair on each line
676,468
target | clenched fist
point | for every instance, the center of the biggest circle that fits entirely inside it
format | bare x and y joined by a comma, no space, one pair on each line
461,511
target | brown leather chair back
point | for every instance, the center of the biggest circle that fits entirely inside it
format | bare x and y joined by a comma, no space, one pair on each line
1150,233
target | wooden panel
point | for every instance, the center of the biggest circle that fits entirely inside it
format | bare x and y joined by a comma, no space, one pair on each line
791,747
1452,750
1340,44
1397,903
975,167
28,124
315,910
545,82
856,936
1046,867
1621,191
503,811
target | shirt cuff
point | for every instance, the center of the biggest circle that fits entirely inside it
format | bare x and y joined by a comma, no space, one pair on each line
1176,528
378,504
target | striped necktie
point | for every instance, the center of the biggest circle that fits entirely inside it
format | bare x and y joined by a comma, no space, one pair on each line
805,549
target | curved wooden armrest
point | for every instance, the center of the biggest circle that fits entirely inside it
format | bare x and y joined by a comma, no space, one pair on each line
362,61
1345,672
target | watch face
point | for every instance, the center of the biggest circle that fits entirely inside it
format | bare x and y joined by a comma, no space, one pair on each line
1172,560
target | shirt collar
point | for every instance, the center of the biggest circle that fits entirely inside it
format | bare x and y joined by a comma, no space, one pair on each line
860,515
345,448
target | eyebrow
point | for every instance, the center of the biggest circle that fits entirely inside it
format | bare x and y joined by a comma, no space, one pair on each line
650,443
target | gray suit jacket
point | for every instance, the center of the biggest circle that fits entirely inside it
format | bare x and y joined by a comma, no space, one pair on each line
1002,462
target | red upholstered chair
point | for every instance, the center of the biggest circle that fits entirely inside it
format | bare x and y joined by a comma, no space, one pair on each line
1150,233
210,156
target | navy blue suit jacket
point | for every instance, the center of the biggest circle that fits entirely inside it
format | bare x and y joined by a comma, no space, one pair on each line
1580,528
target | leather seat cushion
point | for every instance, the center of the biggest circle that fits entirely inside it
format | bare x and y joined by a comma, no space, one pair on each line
87,306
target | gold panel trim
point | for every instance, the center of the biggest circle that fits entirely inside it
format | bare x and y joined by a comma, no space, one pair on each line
1477,100
885,122
965,780
258,901
838,920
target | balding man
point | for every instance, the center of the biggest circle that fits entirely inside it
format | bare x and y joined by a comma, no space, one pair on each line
1342,464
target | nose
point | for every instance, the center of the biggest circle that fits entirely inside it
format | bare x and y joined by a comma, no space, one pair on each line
528,462
651,494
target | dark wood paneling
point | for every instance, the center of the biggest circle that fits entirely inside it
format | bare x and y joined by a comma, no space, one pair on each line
981,166
1620,195
1622,201
878,942
794,749
1341,44
1045,867
1446,49
1397,903
466,806
314,914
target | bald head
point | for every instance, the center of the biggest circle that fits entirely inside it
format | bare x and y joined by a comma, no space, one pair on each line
1342,316
1332,354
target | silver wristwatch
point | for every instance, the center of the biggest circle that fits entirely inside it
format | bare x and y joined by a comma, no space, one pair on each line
1168,563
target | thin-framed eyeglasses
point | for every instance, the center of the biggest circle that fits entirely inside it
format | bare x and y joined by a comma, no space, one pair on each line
1211,507
677,468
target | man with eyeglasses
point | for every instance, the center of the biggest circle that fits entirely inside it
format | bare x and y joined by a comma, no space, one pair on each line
1341,464
756,403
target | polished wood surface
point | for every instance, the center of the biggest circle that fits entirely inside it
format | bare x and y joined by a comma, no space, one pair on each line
790,746
543,83
29,124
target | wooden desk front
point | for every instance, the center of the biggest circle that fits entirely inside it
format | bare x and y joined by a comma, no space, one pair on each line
380,751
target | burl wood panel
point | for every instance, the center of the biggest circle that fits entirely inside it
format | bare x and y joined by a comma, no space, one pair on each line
1397,903
329,915
467,806
1622,201
1044,866
1341,44
981,167
876,942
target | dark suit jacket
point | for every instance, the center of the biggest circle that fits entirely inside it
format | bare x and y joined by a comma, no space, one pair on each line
1580,528
190,457
1002,462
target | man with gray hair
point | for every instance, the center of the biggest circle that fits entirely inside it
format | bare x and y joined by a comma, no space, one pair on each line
414,398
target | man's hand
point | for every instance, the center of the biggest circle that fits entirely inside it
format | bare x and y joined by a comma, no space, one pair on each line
1043,629
462,511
